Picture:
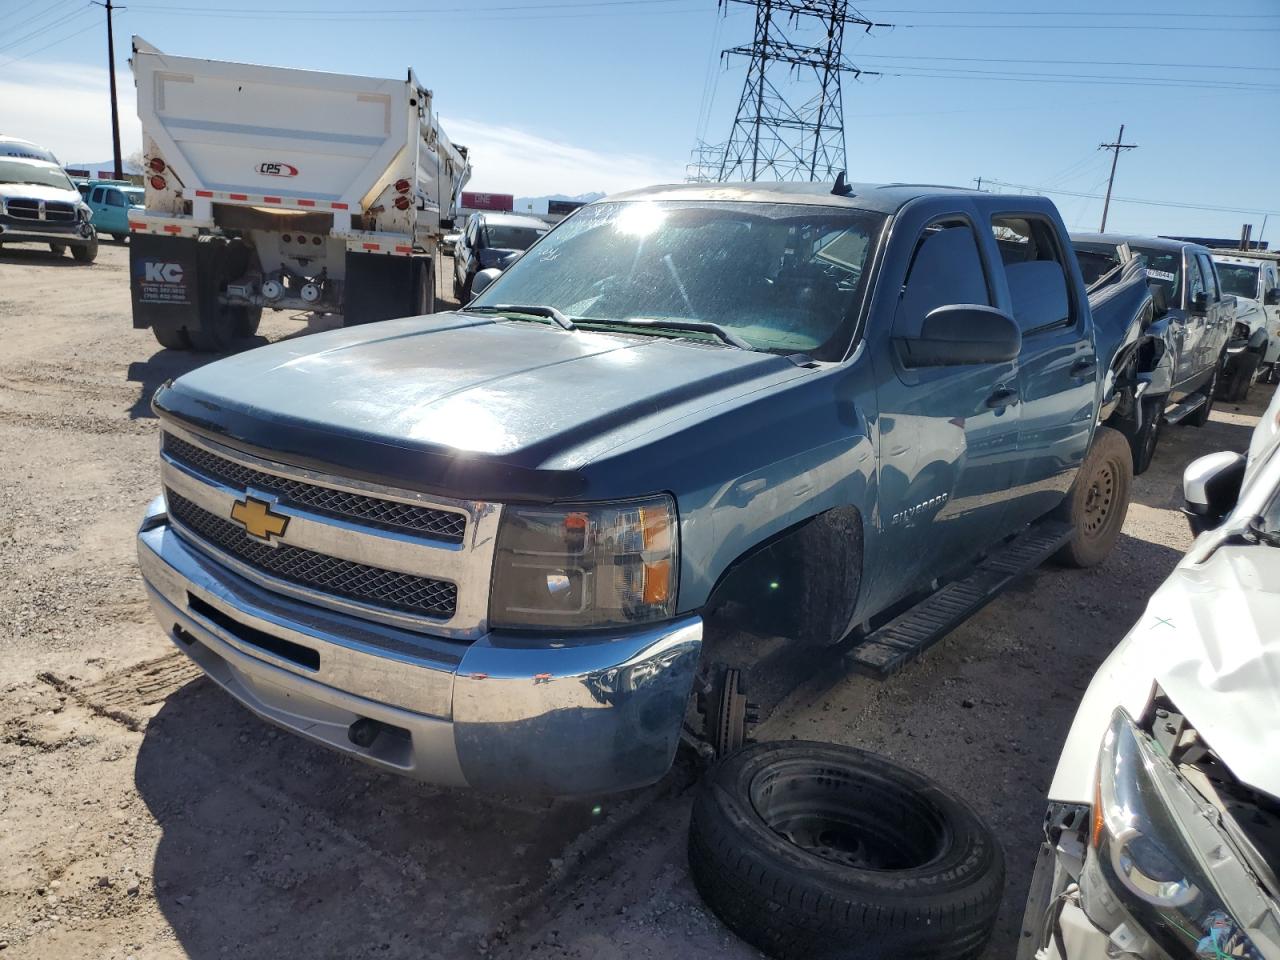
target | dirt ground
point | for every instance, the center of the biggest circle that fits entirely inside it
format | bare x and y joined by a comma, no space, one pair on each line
144,814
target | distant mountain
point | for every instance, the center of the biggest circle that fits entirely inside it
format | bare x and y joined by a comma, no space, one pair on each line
539,204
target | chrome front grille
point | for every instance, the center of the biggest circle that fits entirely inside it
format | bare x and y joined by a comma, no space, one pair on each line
429,521
50,210
382,553
355,581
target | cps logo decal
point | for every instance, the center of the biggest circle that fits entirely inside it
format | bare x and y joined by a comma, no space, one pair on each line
268,169
162,272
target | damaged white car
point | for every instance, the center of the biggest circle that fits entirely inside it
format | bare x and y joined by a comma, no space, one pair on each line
1163,828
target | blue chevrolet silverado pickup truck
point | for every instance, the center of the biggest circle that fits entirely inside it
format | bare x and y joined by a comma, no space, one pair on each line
492,547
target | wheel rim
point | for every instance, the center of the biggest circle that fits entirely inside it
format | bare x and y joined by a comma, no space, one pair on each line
1100,498
860,822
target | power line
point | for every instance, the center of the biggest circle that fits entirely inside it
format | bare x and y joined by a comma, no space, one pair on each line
38,31
1175,204
44,12
1083,13
1125,78
1145,28
1080,63
416,12
1083,81
60,40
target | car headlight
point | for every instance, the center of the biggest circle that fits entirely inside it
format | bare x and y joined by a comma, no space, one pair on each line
1142,834
587,565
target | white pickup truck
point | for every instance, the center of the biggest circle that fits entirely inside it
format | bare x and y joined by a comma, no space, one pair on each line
284,189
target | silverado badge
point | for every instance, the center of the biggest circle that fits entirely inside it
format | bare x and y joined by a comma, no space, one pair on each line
257,519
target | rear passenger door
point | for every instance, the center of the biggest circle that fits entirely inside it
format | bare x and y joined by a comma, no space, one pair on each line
1057,368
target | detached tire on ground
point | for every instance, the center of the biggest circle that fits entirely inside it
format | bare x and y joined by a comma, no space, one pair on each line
816,851
1098,501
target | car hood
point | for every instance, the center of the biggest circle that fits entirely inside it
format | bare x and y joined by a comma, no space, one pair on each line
1208,639
35,191
425,399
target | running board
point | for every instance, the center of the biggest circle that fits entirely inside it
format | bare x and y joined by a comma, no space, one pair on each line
1186,408
887,650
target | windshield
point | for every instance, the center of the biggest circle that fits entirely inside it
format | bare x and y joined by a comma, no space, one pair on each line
783,277
15,171
1164,267
1239,280
502,236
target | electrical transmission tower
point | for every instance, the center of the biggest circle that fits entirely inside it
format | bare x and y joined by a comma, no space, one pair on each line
797,134
704,162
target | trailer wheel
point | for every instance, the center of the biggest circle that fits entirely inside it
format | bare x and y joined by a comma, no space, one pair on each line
86,252
220,324
1097,503
170,337
812,850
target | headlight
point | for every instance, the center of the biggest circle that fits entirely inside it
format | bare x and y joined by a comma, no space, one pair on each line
1144,829
590,565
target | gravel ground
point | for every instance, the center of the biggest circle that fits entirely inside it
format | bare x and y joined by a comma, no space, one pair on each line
144,814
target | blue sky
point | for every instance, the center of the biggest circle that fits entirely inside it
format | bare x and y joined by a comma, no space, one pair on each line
581,95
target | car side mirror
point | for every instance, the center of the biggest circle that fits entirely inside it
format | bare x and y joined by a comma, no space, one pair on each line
962,333
1200,302
1272,297
482,280
1210,489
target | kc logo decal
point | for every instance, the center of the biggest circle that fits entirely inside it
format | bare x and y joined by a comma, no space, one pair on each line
268,169
163,272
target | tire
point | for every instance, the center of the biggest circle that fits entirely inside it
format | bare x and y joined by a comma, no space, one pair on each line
821,852
247,321
217,329
86,253
1096,505
57,249
1142,445
1209,391
119,237
172,338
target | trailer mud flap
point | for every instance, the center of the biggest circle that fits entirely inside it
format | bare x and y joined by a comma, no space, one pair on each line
380,287
164,279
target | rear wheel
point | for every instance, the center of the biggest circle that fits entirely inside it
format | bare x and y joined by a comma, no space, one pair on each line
821,852
1098,501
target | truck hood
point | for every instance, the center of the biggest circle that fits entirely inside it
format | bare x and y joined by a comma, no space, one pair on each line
430,401
1208,639
1250,312
36,191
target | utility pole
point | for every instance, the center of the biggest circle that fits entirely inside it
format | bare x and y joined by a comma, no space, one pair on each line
790,119
118,173
1115,149
978,181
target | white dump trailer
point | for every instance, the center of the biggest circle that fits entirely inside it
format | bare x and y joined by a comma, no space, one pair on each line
284,189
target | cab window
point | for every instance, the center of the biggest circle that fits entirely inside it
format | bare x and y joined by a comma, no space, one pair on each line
1195,279
115,198
1035,271
945,268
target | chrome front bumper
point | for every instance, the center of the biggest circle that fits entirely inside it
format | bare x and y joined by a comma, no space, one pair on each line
518,713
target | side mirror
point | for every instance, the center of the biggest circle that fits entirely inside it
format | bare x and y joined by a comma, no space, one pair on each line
1200,303
1210,489
1272,297
962,333
482,280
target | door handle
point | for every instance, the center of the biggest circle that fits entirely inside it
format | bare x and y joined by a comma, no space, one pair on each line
1003,397
1083,368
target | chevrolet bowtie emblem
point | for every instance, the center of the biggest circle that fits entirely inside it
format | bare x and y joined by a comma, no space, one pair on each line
257,519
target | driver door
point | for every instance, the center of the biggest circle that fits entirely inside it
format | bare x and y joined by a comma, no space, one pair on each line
948,435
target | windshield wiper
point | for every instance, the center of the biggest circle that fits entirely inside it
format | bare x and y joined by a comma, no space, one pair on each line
532,310
693,326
